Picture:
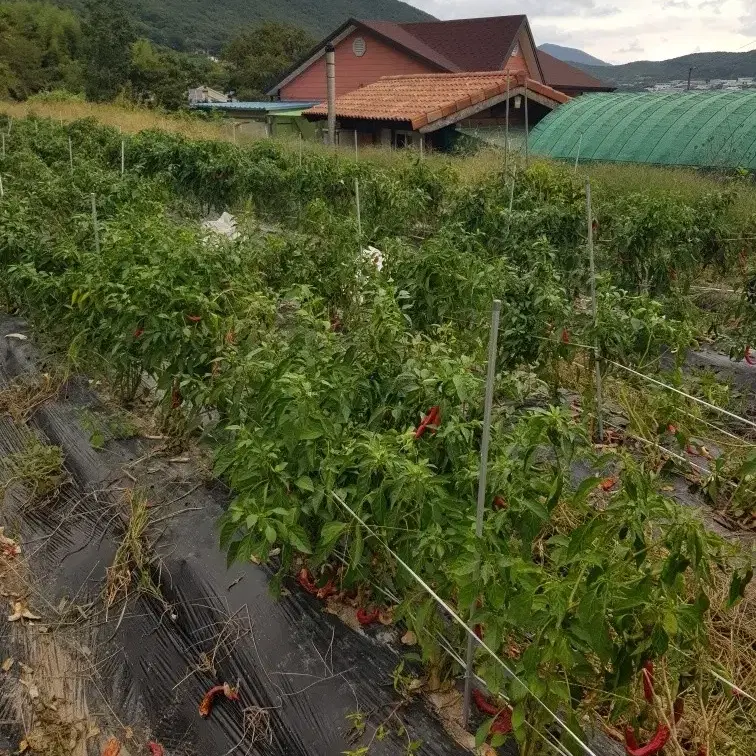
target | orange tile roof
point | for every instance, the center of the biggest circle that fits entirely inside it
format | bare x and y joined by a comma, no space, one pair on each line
422,99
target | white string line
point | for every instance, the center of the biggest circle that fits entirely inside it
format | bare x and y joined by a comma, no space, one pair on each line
732,685
463,625
682,393
724,432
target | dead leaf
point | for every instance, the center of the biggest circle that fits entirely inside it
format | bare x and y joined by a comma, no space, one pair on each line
7,664
18,336
23,746
33,691
112,748
93,732
26,614
180,460
386,616
128,733
409,638
18,609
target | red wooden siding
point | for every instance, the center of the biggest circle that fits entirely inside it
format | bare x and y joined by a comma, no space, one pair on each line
352,72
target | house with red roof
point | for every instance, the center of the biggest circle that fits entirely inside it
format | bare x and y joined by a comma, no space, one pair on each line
390,76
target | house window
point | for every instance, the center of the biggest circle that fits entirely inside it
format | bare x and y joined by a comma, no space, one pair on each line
358,46
406,139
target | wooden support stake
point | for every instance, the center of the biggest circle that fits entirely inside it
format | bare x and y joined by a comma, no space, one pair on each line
482,478
594,307
527,128
356,156
123,156
577,158
70,153
506,128
2,191
94,223
359,217
3,135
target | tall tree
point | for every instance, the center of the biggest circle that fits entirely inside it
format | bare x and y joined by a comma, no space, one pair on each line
40,49
109,37
259,54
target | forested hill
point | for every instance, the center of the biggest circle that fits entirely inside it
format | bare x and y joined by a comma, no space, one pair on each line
207,24
644,73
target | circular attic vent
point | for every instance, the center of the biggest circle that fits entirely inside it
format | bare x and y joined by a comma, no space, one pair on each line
358,47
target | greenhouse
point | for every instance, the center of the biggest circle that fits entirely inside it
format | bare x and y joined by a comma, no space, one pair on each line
704,129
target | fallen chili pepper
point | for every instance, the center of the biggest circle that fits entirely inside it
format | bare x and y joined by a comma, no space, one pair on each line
194,318
112,748
478,630
138,332
661,736
206,705
305,580
155,749
672,429
565,336
502,723
607,484
499,502
367,618
750,360
230,336
431,420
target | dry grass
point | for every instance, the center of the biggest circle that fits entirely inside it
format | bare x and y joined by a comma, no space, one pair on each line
21,398
37,467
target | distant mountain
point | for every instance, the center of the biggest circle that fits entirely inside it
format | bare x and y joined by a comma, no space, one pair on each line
208,24
571,55
706,66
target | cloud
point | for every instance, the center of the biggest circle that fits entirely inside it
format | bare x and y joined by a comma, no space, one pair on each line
634,47
710,6
684,4
749,22
533,8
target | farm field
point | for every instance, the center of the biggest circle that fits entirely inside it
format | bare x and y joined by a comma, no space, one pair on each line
340,395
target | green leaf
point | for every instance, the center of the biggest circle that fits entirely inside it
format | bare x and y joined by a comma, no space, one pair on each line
738,584
304,483
498,740
299,539
270,534
330,533
518,717
669,623
482,734
227,532
584,489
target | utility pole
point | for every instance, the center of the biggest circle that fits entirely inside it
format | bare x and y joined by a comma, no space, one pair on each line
331,92
690,75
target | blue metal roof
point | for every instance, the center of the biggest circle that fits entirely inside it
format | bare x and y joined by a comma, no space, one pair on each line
270,107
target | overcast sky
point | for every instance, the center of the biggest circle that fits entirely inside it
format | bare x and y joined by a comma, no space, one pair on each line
619,31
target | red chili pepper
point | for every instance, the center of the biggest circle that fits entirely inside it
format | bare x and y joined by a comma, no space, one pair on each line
432,420
305,580
648,681
194,318
155,748
672,429
750,360
230,336
499,502
661,736
367,618
138,332
690,450
206,705
565,336
607,484
478,630
503,722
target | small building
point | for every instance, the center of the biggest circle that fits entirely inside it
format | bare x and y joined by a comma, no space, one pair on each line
366,51
205,94
264,118
429,109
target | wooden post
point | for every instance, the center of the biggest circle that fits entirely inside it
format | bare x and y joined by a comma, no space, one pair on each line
594,307
94,223
506,128
482,477
2,191
330,57
527,127
123,156
3,135
300,149
70,153
511,199
356,156
422,146
580,144
359,217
